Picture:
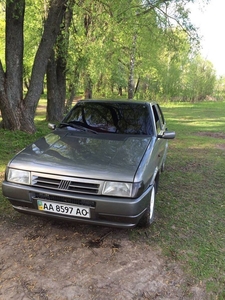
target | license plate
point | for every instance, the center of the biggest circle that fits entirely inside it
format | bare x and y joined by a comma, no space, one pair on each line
63,209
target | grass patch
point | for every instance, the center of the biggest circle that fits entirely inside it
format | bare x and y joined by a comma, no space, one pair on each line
190,223
12,142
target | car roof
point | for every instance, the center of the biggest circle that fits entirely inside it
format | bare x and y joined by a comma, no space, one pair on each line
115,101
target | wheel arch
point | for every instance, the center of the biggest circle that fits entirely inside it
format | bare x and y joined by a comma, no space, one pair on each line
155,178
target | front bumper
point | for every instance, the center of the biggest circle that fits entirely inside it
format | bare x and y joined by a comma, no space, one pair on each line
107,211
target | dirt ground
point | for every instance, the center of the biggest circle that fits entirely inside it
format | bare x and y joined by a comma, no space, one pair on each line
45,259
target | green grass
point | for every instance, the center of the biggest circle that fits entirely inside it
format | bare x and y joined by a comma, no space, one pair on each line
190,223
190,208
13,142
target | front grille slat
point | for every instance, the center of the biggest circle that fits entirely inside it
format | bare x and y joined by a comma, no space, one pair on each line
66,184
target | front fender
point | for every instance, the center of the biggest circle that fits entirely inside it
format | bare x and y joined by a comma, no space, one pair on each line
149,166
153,179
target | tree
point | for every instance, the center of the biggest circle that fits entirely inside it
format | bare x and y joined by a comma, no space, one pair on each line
111,45
199,80
128,36
18,111
56,71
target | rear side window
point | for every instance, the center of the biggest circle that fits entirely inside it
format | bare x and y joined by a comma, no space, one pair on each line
159,118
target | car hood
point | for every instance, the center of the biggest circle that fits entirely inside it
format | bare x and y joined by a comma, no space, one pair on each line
104,157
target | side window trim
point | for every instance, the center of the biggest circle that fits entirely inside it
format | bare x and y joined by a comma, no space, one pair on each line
157,119
161,116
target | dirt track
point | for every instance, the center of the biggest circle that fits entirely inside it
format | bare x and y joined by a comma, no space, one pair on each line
44,259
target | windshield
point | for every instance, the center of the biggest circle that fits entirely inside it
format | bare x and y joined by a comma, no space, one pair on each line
111,117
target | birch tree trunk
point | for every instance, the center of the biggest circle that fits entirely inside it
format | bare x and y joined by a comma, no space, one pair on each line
131,86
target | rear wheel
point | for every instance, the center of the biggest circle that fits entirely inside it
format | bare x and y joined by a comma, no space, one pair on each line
148,216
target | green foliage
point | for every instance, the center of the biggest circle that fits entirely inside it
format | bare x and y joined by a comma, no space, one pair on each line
199,80
190,224
101,43
33,29
219,90
164,61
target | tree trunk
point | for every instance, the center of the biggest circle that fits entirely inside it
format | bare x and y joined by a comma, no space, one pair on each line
120,90
18,113
54,103
73,88
137,85
88,87
56,72
11,81
131,70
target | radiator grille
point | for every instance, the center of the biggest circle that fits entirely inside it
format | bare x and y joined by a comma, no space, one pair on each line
66,184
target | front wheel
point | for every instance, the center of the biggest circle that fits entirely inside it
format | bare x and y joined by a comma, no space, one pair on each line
148,216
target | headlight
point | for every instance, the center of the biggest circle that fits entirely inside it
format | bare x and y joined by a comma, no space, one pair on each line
18,176
120,189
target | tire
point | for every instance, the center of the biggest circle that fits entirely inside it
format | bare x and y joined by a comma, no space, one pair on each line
148,216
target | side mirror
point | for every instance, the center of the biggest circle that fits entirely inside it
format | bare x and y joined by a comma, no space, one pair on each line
51,126
168,135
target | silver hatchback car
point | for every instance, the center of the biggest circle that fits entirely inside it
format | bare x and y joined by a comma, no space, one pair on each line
101,165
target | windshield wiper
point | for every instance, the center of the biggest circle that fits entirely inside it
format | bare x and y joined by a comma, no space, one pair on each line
77,126
71,124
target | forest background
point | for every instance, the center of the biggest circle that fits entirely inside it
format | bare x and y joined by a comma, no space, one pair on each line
66,49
